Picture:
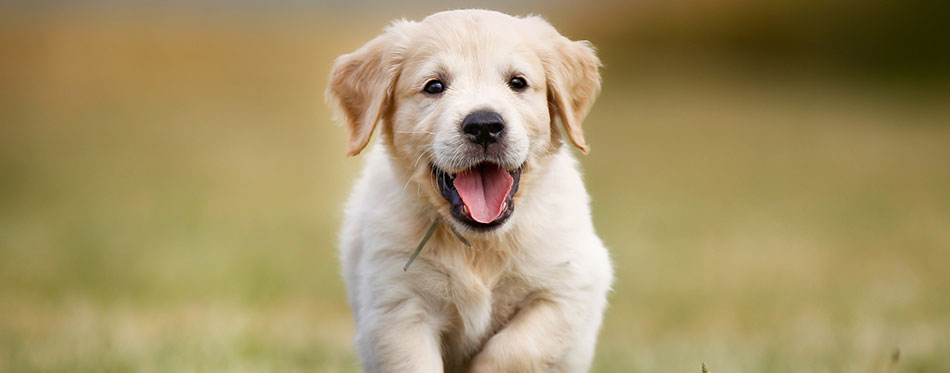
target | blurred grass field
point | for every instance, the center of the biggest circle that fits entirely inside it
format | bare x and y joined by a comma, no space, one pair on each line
172,184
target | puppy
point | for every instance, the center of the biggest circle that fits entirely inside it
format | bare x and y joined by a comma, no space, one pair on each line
475,109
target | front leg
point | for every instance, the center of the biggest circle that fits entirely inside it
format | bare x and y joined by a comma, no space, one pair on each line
399,337
533,340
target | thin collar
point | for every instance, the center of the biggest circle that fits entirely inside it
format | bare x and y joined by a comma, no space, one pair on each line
428,235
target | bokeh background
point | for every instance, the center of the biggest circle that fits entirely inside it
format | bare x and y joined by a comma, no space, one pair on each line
772,178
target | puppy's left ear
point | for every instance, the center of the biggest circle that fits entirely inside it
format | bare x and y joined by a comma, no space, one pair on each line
573,79
361,85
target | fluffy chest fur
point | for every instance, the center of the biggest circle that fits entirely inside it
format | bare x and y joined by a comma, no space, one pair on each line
475,291
477,303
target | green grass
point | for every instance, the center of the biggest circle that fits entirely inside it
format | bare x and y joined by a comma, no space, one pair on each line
171,194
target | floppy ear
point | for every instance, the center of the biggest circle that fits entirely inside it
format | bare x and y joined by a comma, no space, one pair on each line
361,85
573,80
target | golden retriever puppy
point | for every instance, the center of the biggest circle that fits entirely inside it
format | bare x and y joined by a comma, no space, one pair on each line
474,109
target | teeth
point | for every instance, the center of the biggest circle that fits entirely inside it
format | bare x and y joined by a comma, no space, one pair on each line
504,206
464,210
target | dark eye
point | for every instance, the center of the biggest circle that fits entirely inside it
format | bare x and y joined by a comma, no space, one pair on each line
518,83
434,87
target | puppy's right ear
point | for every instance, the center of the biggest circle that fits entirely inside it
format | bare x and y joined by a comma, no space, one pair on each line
361,85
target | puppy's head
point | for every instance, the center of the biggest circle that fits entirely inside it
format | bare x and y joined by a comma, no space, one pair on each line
470,102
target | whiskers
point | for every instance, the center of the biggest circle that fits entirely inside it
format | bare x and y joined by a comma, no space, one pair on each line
425,153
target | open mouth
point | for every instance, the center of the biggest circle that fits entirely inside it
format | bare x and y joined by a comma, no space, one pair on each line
481,196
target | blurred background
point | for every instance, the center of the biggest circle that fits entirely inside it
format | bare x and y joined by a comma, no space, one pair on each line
772,179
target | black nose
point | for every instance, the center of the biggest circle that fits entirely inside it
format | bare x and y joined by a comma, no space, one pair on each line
483,127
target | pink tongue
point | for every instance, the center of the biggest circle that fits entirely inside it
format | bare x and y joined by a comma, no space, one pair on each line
483,190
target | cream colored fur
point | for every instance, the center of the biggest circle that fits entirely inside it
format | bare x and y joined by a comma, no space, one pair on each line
528,295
